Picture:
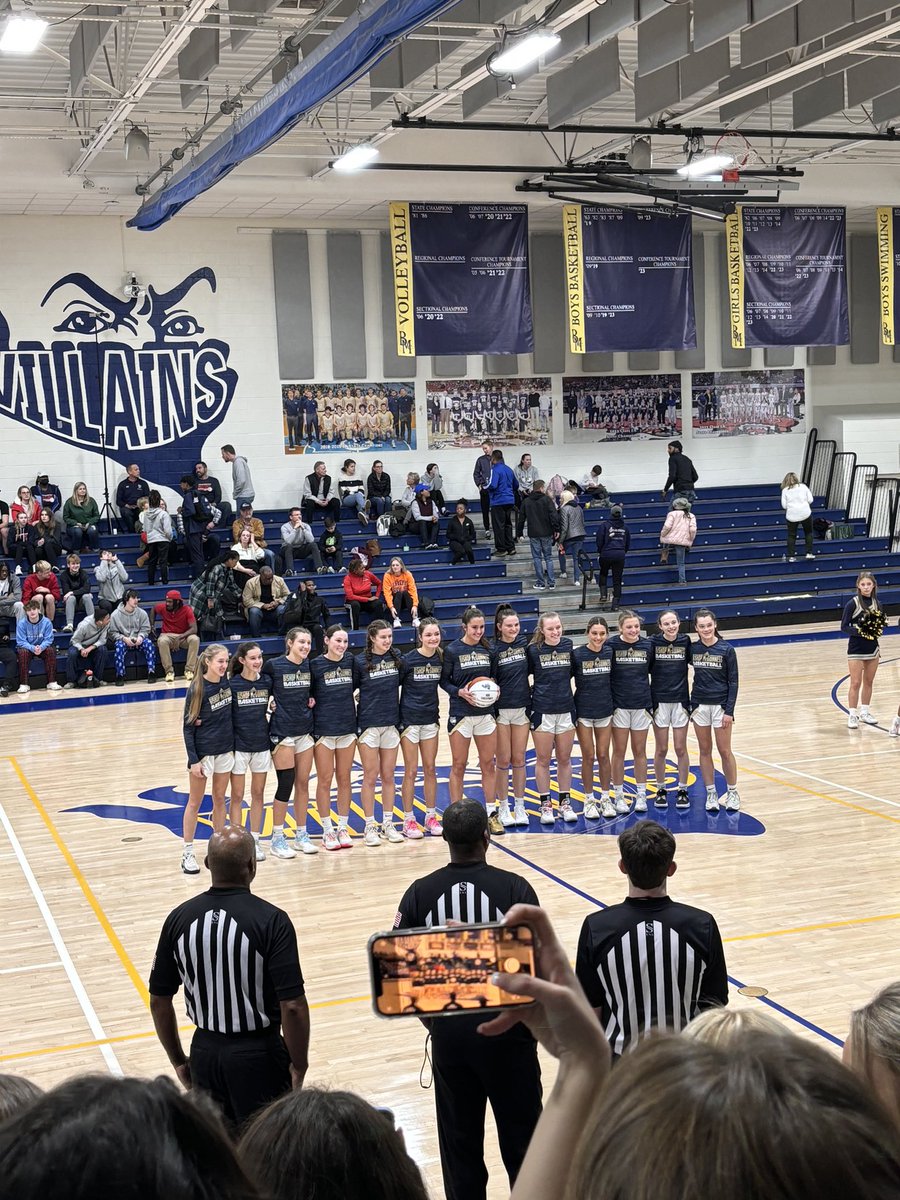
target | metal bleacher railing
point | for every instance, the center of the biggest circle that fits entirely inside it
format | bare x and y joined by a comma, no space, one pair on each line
856,488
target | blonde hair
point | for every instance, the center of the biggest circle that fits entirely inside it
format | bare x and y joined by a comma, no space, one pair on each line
874,1041
537,638
87,494
720,1026
42,565
790,480
195,691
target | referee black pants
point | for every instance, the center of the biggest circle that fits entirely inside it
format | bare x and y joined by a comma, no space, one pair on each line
242,1074
469,1071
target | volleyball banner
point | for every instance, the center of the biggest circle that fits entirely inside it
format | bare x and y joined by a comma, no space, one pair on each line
787,276
461,282
629,279
888,243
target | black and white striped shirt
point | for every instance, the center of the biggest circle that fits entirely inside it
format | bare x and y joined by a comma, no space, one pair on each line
468,892
236,957
650,963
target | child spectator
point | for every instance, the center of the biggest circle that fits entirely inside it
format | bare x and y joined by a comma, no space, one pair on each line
426,516
362,593
593,490
87,650
43,586
129,628
461,534
179,632
400,592
34,639
331,544
402,508
679,530
75,586
111,578
46,542
156,525
19,540
613,541
435,484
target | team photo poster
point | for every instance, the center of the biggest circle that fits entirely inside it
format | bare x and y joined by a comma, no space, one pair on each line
747,403
317,417
621,408
509,412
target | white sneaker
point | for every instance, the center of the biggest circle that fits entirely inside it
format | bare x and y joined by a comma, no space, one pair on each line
397,622
330,840
547,817
67,628
305,844
506,817
416,622
640,804
810,556
591,810
712,802
54,687
852,720
23,689
372,836
607,808
865,716
170,676
732,802
280,848
622,805
189,863
18,570
390,832
895,727
567,813
260,853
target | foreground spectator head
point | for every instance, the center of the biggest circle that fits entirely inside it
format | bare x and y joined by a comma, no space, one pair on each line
647,853
320,1145
720,1026
872,1048
764,1116
100,1138
16,1094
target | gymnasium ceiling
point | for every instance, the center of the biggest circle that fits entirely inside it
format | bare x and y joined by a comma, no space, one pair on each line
818,66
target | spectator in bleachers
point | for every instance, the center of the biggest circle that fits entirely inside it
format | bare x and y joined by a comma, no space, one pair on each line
400,592
362,593
682,474
378,489
426,517
593,489
242,491
526,473
87,649
47,539
319,495
75,586
131,489
307,608
8,661
679,531
797,501
129,629
501,491
571,534
157,526
19,541
367,553
542,525
111,578
10,597
461,534
4,525
298,541
264,598
252,556
482,477
198,518
207,485
48,493
80,517
178,632
435,484
27,503
34,639
331,546
43,586
401,509
210,592
872,1048
352,492
613,541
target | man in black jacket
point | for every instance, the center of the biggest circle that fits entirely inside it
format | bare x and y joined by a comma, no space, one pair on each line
482,477
207,485
197,516
320,496
542,525
682,475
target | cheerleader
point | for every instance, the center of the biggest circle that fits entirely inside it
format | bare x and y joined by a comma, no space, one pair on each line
552,713
420,677
466,659
632,660
713,697
377,678
510,669
290,736
209,741
671,704
249,712
334,729
863,621
592,668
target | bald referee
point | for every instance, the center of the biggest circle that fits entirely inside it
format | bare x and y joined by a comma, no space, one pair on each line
236,957
469,1069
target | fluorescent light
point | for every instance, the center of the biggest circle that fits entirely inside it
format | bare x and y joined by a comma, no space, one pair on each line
22,35
522,53
353,159
705,164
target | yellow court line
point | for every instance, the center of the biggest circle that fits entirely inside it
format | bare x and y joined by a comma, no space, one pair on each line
820,795
749,937
92,900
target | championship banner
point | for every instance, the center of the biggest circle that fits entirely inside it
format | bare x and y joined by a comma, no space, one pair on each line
461,279
629,279
888,241
787,276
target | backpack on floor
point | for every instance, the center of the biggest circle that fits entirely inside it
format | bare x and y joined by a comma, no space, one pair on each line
840,531
383,525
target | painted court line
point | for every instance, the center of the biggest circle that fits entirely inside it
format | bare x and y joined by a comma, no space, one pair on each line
65,958
840,787
28,970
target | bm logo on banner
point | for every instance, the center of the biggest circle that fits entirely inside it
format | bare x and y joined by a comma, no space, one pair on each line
128,374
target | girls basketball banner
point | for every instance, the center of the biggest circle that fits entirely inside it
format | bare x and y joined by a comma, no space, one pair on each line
888,263
629,279
787,276
461,279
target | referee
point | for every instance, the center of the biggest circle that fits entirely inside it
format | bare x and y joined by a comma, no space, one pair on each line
236,957
470,1069
649,963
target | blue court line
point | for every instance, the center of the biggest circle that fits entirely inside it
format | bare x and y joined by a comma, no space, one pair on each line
97,699
736,983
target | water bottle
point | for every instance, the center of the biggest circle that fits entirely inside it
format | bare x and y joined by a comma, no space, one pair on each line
89,678
406,548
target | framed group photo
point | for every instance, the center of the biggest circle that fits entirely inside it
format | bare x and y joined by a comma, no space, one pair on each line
747,403
511,412
621,408
355,417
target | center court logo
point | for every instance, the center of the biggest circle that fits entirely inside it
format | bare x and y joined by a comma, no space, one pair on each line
165,806
128,372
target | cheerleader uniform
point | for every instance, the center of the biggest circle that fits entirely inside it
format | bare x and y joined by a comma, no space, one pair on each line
462,664
859,647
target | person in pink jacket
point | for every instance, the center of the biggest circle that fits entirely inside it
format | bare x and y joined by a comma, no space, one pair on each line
679,531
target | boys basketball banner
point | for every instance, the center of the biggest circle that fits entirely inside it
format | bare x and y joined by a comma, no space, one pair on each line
461,279
629,279
888,244
787,276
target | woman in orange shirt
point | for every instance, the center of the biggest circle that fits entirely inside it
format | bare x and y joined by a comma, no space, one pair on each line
400,592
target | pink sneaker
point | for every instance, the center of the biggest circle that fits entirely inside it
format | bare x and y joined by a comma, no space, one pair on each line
344,839
433,825
330,840
411,828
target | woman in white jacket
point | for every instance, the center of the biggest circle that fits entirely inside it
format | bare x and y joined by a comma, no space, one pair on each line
679,530
797,501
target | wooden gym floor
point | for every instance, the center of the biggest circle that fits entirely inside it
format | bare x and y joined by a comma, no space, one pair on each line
804,884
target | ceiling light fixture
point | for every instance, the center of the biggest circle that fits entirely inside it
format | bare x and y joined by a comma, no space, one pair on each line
355,158
22,34
521,53
705,165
